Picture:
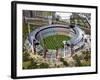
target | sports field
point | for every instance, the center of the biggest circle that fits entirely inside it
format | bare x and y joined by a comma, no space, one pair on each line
54,41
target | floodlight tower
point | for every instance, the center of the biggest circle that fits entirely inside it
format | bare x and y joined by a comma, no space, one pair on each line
34,47
56,53
64,42
71,45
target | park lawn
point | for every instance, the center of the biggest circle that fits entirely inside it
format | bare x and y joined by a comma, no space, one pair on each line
54,41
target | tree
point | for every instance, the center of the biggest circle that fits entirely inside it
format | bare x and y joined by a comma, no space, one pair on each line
87,56
44,65
33,64
56,53
25,56
64,62
58,18
38,62
77,60
72,49
45,52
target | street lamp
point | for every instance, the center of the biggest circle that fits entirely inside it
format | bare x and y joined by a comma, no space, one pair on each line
64,42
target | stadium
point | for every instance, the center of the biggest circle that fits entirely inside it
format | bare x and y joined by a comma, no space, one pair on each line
56,39
62,40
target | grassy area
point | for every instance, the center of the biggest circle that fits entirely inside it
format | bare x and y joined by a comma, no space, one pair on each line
54,42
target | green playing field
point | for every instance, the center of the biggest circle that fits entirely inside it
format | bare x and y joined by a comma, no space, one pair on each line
54,41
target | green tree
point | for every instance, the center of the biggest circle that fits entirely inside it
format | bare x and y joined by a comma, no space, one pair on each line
25,56
44,65
64,62
77,60
33,64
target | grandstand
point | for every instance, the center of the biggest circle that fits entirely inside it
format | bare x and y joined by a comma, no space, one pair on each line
75,42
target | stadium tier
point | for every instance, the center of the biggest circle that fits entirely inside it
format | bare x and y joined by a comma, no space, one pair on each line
76,34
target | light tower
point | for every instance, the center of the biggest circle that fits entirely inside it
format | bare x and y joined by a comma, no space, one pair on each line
64,42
